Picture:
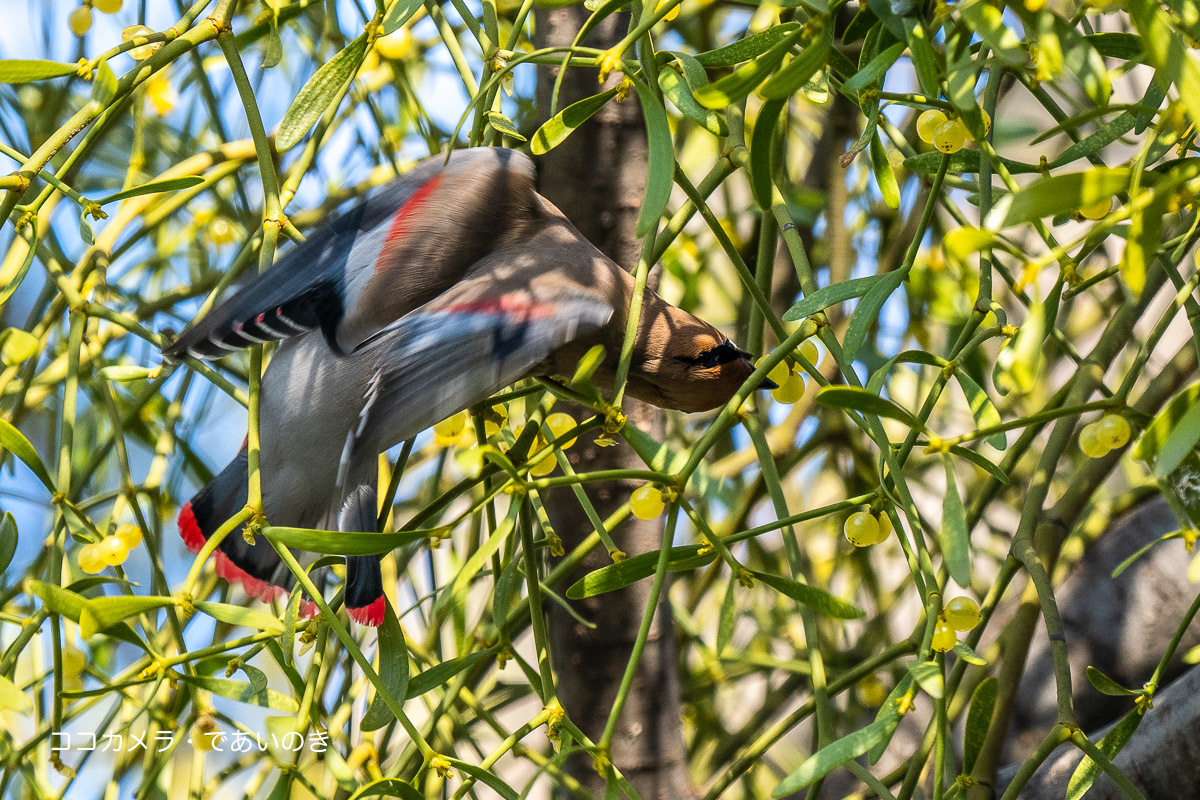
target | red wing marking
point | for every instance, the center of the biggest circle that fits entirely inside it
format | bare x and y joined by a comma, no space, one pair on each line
507,305
400,222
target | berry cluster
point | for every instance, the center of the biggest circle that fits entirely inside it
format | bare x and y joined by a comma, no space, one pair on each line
110,551
80,20
864,529
946,134
960,614
1107,433
787,375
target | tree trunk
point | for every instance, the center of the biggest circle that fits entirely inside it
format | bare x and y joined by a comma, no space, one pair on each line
597,178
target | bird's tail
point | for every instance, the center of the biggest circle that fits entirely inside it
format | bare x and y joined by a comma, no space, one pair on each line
364,582
257,566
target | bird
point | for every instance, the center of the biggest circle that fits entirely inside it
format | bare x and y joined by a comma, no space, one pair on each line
450,283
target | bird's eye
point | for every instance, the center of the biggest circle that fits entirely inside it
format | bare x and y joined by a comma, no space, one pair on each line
723,353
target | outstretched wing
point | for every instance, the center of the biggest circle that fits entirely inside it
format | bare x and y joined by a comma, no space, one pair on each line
434,363
383,258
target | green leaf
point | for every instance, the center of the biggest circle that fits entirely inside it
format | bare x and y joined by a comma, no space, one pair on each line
258,678
968,654
979,719
867,312
677,89
316,95
1143,241
239,615
400,13
748,48
1168,52
343,542
1163,426
926,60
563,124
440,674
874,70
1127,46
124,373
15,283
885,177
814,598
102,612
1106,685
631,570
154,187
17,346
104,85
393,670
979,461
485,777
481,556
736,85
761,151
783,84
660,179
15,442
830,295
965,162
13,699
273,49
1082,61
26,71
244,693
833,755
955,541
1065,194
928,676
505,592
1141,551
982,409
1179,442
1086,773
388,787
504,125
8,540
987,21
865,402
890,712
728,616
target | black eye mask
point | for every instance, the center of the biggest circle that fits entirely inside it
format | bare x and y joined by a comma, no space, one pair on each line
723,353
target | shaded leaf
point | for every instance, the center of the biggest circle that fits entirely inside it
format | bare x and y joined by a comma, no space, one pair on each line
979,719
8,540
811,596
830,295
13,699
504,125
27,70
440,674
154,187
15,442
865,402
101,612
240,615
1106,685
955,541
633,569
748,48
1087,771
833,755
928,676
563,124
316,95
343,542
244,693
393,670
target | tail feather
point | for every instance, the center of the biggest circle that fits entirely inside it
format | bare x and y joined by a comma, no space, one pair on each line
364,582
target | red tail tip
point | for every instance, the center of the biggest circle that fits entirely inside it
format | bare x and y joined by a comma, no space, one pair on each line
369,615
308,609
254,587
189,529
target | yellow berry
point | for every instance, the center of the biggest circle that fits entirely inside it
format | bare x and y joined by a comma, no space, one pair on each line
547,464
113,551
18,346
885,527
1091,442
791,390
1113,431
447,432
80,20
1097,210
129,534
494,419
395,45
646,502
871,691
107,6
944,637
950,136
808,351
961,613
73,662
90,560
987,121
780,372
670,15
559,423
470,461
861,529
140,52
928,123
220,231
205,733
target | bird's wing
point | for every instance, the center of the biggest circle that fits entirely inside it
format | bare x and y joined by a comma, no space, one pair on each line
383,258
436,362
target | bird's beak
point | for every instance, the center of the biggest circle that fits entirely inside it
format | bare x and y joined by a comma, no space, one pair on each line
765,383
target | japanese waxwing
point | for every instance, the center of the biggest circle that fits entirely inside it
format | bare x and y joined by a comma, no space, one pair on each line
450,283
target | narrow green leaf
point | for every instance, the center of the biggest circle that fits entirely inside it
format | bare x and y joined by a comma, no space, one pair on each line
15,283
1179,442
440,674
981,462
104,85
1168,52
867,312
787,81
633,569
487,778
748,48
926,60
28,70
506,591
1141,551
814,598
964,162
124,373
1106,685
1062,194
388,787
1086,773
258,678
987,21
833,755
830,295
393,670
982,408
1143,241
660,179
979,719
563,124
17,346
240,615
889,713
13,699
968,654
101,612
244,693
15,442
273,49
885,177
8,540
955,541
400,13
1160,429
865,402
728,616
343,542
677,89
761,150
316,95
875,70
504,125
1126,46
1081,60
736,85
928,676
154,187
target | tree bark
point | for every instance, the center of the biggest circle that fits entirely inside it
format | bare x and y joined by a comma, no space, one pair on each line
597,177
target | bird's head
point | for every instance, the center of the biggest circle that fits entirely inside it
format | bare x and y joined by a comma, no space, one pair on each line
689,366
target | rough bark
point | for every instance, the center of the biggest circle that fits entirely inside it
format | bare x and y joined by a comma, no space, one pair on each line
597,178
